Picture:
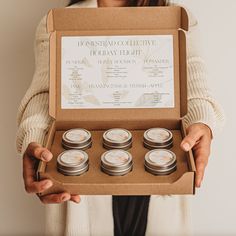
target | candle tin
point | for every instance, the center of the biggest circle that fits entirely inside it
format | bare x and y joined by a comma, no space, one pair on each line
116,162
73,162
156,138
160,162
117,138
77,139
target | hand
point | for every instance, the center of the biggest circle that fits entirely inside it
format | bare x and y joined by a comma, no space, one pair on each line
198,138
33,153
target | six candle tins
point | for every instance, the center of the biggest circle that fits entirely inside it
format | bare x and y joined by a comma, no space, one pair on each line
116,160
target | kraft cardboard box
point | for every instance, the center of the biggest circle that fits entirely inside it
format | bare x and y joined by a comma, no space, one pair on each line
69,30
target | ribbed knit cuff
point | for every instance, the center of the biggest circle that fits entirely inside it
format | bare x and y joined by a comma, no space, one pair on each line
33,135
202,107
200,112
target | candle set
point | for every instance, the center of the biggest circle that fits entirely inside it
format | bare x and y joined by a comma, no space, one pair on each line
117,160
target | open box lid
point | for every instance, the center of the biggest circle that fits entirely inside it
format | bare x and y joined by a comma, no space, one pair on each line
115,22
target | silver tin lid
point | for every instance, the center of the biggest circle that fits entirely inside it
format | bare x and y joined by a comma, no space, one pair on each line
160,161
158,138
117,138
116,162
77,139
72,162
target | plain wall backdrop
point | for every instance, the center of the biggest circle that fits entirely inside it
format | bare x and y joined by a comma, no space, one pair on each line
214,207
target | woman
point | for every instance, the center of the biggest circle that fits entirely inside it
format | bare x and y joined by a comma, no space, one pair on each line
106,215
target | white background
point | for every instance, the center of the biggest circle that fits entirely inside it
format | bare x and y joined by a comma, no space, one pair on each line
214,207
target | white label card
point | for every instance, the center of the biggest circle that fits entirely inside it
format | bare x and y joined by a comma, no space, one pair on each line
135,71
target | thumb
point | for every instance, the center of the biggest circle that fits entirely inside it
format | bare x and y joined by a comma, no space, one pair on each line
37,151
191,139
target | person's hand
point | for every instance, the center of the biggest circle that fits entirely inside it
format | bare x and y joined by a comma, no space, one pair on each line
199,137
33,153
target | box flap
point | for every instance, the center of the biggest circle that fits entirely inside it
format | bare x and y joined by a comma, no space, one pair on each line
106,18
112,22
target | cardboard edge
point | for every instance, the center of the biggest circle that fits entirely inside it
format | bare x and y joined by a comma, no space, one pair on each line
42,165
191,162
183,73
174,188
50,24
52,75
187,179
184,19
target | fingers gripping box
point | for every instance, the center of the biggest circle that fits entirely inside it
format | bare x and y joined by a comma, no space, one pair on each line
122,68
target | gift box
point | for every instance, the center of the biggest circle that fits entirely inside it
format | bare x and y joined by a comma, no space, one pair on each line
118,68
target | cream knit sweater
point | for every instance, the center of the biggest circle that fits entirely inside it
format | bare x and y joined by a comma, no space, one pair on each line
168,215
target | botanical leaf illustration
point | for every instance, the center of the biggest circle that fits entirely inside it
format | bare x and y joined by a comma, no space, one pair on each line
148,100
91,99
86,62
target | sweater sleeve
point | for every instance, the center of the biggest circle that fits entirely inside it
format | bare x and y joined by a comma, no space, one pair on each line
32,118
202,107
